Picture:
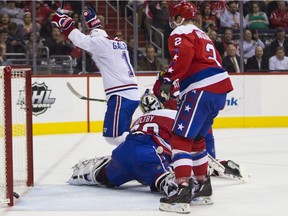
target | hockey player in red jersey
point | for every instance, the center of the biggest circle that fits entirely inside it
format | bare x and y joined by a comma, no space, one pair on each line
144,155
204,84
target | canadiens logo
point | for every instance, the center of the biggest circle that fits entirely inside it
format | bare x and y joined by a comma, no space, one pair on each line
41,100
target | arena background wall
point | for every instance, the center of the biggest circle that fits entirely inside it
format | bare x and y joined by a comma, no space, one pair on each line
257,101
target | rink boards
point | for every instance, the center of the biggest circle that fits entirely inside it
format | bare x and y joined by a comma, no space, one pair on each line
257,101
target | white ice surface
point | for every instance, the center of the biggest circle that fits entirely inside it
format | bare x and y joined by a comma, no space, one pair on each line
264,152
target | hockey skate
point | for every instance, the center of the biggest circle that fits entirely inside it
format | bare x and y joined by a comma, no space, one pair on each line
85,171
180,202
202,193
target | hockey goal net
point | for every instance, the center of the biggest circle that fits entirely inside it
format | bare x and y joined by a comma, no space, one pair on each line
16,153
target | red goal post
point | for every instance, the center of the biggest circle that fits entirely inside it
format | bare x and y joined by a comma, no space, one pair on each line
16,139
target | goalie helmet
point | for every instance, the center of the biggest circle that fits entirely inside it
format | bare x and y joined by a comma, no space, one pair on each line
184,9
149,102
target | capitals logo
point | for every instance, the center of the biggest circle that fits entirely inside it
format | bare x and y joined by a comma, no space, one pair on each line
41,100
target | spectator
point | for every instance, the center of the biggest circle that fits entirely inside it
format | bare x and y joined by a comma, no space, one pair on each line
15,14
119,35
46,28
232,61
3,42
4,21
258,62
28,26
256,19
251,40
218,44
231,17
2,57
280,40
279,17
228,39
161,22
198,20
130,48
78,24
150,62
42,12
218,8
15,38
57,44
271,5
139,10
248,6
41,53
90,66
209,21
279,61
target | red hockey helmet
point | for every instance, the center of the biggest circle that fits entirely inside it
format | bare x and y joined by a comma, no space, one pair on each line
184,9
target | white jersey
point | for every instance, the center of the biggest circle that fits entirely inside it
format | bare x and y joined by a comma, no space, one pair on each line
112,59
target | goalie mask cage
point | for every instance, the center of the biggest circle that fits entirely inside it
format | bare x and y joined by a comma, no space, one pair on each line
16,153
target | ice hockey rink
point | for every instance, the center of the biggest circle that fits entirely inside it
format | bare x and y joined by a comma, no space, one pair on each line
264,153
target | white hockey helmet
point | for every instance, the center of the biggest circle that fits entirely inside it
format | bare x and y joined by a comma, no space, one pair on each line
98,32
149,102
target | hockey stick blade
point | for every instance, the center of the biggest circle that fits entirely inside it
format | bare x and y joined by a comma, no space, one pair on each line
224,171
81,96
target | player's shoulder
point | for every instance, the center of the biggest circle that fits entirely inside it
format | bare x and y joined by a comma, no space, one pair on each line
185,29
191,30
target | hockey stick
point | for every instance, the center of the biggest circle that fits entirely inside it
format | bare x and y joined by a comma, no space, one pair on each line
231,170
62,4
81,96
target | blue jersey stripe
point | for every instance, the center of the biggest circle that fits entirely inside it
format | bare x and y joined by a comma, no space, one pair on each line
203,74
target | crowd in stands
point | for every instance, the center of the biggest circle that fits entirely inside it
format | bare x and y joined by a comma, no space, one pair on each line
265,24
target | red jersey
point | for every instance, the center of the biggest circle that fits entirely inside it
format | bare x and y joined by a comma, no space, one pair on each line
279,18
196,62
159,124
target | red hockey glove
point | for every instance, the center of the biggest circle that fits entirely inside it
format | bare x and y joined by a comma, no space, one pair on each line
58,18
165,89
62,21
91,18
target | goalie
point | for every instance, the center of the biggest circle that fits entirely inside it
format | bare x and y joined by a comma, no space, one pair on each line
145,156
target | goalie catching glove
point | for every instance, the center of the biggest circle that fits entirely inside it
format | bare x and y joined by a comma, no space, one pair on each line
64,22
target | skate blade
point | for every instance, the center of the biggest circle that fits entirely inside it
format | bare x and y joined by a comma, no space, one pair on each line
202,201
182,208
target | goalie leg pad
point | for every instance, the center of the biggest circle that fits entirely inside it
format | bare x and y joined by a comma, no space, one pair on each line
85,171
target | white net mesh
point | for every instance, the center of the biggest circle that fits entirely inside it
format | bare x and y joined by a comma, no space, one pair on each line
19,126
19,131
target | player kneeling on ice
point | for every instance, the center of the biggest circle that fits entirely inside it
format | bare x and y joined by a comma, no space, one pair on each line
112,58
144,156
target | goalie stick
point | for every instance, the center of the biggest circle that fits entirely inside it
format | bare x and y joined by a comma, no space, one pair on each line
81,96
230,170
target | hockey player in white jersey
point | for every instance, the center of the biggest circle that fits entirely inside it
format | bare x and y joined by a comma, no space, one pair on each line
112,58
